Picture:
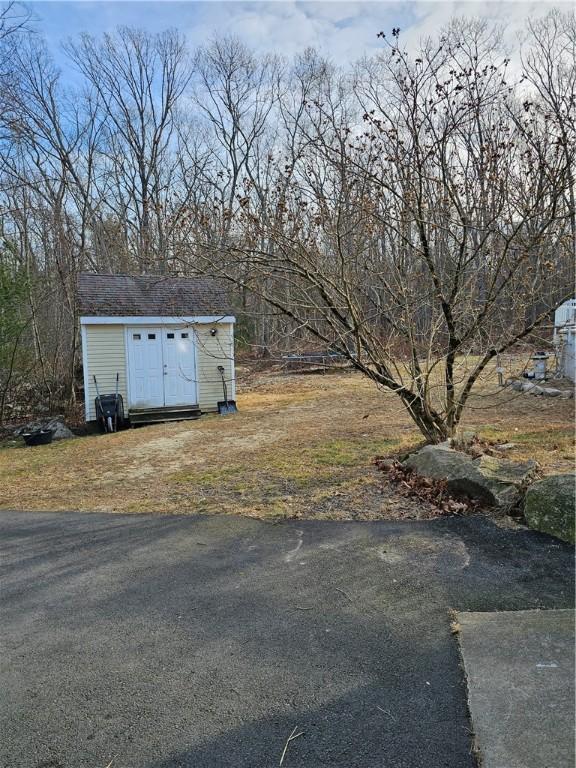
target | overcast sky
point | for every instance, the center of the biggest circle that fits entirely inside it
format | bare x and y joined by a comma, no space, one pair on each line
342,30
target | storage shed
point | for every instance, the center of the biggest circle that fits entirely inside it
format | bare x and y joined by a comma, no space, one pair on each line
166,338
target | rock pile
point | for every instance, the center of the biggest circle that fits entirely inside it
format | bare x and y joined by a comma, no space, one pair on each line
536,389
54,423
549,505
494,481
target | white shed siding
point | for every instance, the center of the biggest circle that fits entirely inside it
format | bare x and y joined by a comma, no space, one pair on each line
104,352
105,355
568,361
565,314
212,351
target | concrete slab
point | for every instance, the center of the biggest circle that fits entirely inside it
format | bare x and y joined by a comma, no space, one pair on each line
520,671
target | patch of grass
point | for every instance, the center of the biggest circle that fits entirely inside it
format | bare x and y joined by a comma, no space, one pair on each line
310,466
289,451
336,453
211,477
545,437
551,445
10,443
347,453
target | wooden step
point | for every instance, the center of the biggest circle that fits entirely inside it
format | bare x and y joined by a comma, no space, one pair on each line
166,408
167,413
163,419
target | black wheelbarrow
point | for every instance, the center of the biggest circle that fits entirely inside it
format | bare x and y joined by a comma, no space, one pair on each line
109,409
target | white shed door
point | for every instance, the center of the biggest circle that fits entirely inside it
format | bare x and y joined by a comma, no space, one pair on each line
162,368
145,372
179,367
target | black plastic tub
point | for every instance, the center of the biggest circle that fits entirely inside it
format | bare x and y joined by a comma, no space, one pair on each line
38,437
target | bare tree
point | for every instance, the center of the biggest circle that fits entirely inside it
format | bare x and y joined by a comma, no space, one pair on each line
47,164
139,79
416,235
14,19
550,70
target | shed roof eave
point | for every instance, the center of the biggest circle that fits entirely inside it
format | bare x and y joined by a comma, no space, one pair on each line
155,320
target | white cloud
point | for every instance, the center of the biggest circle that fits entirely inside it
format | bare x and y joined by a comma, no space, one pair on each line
342,30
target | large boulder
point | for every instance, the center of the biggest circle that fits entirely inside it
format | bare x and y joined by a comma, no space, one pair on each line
551,392
550,506
493,481
56,423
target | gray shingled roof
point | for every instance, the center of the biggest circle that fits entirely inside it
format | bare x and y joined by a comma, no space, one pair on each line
153,296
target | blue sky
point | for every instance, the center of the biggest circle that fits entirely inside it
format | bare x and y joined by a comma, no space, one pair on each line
343,30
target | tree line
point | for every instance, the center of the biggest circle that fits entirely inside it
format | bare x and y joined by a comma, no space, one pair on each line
413,212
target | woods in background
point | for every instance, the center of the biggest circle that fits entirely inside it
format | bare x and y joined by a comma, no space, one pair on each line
413,211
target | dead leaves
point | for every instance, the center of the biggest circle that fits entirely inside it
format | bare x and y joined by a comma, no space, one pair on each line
408,483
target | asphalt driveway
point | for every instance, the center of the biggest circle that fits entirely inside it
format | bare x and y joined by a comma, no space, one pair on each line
189,641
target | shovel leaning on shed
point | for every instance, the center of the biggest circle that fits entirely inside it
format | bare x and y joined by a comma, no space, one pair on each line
225,406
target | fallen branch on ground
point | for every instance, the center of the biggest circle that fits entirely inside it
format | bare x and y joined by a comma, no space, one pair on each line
292,736
346,595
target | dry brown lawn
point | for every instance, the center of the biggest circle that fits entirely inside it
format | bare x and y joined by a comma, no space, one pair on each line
301,445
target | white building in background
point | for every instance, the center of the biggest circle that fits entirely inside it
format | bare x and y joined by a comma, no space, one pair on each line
565,338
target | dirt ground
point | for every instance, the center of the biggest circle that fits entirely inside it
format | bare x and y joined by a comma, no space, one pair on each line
300,446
